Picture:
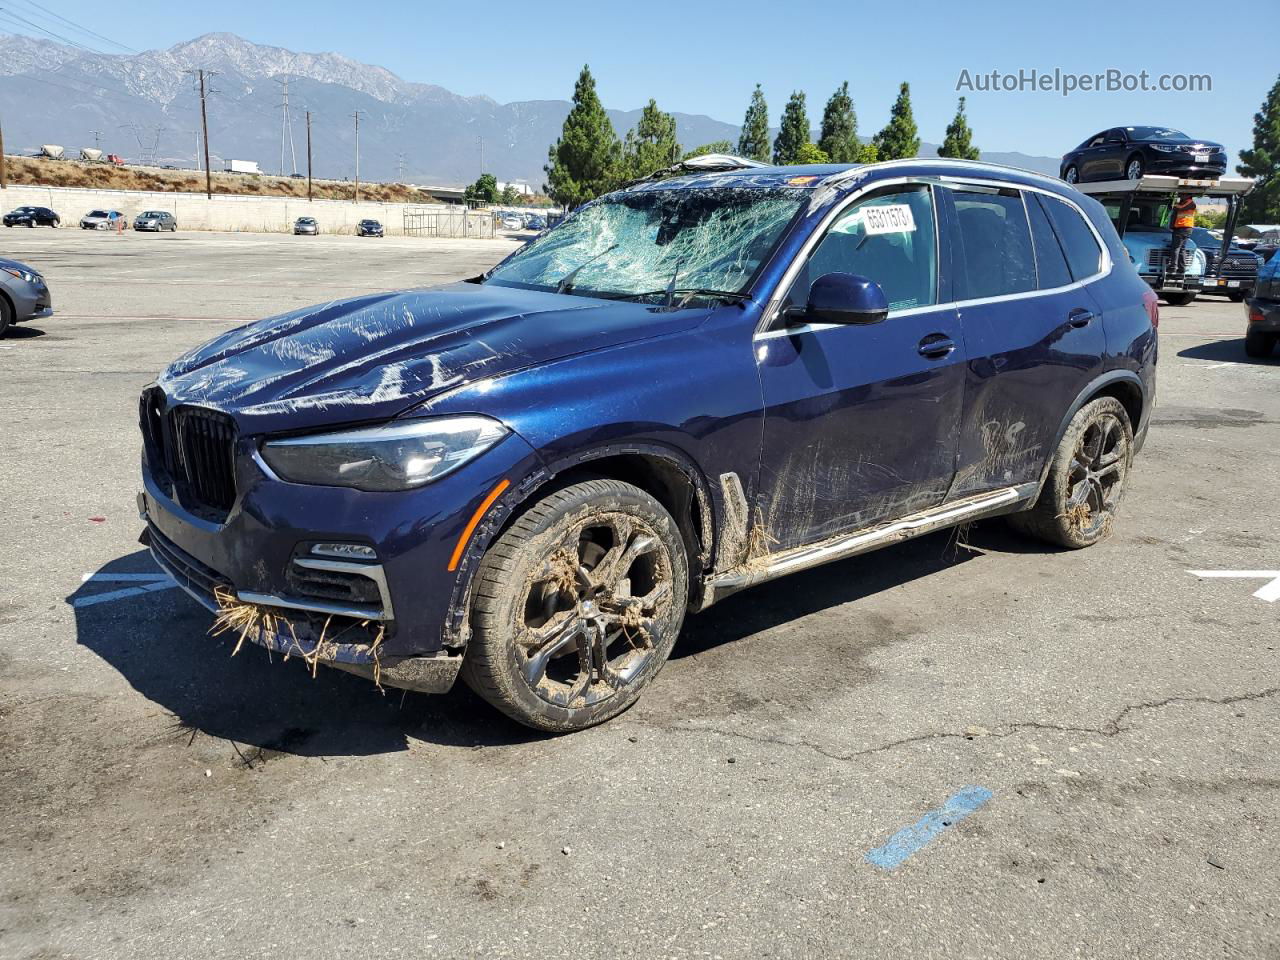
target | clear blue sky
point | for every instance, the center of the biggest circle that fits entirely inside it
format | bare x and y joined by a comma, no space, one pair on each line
706,57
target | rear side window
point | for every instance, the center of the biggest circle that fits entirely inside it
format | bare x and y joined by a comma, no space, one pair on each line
1084,256
1051,262
996,242
889,238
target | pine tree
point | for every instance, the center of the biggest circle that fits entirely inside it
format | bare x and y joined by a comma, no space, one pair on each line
753,142
839,139
1263,161
583,163
715,146
899,139
959,139
794,131
652,145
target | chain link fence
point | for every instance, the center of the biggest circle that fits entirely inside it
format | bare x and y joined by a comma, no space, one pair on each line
453,222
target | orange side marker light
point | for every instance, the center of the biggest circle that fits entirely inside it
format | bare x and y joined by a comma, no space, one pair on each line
485,504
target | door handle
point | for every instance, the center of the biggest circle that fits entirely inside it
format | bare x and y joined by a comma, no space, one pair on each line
936,345
1080,317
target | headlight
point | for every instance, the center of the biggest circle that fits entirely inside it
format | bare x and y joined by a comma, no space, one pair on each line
396,456
21,274
1166,148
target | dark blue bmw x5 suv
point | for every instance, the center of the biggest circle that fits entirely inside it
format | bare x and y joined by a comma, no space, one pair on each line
692,385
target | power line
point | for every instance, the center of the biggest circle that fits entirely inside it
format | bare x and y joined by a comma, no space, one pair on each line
83,29
35,26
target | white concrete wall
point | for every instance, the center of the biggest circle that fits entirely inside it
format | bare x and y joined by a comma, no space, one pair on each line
194,211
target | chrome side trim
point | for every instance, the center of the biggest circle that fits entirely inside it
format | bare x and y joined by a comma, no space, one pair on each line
358,611
813,555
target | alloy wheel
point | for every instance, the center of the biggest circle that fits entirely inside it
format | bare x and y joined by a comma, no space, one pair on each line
1096,477
591,615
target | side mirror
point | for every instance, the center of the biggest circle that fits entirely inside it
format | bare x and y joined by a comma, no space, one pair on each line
844,298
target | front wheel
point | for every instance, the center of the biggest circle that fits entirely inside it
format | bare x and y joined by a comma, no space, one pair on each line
1077,506
576,606
6,316
1259,344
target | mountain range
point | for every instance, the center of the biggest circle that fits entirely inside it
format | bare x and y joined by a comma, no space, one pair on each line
146,107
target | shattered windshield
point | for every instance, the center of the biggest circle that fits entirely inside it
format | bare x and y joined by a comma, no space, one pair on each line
632,244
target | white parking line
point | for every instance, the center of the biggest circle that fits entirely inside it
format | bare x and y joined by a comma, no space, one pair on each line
1269,592
145,583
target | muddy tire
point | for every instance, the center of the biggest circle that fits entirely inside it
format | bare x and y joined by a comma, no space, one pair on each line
576,606
1078,504
1258,344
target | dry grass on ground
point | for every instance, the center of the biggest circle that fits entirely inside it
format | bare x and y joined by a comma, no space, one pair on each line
36,171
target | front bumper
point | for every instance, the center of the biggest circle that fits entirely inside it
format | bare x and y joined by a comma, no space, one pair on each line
1182,165
31,301
154,227
253,555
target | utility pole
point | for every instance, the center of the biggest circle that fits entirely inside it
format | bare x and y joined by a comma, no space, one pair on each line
204,124
286,129
481,139
400,165
97,137
308,156
357,118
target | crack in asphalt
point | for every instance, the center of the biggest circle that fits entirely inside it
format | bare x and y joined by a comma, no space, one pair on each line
1111,728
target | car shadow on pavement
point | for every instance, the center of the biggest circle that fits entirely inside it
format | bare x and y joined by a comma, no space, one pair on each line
22,331
802,594
158,640
1227,351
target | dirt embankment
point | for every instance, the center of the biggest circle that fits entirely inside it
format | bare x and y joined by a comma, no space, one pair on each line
37,171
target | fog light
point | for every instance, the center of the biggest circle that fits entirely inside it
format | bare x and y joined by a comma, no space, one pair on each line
344,551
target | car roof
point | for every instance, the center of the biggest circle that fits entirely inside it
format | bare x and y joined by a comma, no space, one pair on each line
842,177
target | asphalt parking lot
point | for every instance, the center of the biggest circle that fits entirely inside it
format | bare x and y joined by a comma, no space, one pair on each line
1105,721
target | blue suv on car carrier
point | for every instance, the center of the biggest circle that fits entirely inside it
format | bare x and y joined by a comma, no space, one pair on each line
706,380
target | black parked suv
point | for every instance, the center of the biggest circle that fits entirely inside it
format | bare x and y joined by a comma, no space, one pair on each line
32,217
1130,153
1236,274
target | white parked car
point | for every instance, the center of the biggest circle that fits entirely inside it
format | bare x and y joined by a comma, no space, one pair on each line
102,220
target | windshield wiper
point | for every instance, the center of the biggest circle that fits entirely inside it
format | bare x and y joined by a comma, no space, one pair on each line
566,282
687,294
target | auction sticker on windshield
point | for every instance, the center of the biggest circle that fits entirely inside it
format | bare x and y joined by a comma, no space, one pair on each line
889,218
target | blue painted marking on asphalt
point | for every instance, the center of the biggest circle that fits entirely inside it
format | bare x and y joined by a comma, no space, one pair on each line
909,840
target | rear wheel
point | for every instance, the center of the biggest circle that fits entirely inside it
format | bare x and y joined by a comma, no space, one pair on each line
1259,344
576,606
1134,169
1236,296
1072,175
1178,299
1077,506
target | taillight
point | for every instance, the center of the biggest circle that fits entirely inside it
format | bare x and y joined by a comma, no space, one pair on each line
1152,303
1255,314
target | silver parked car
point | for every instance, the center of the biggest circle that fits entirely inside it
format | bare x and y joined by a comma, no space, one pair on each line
156,220
102,220
306,226
23,294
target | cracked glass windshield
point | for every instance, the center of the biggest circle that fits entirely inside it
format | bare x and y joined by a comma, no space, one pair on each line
634,245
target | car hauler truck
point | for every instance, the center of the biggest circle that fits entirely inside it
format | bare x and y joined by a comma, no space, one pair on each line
1139,210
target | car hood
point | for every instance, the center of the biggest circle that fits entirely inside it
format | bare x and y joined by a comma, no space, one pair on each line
6,263
375,357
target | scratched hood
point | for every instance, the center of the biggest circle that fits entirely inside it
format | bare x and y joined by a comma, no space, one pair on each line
374,357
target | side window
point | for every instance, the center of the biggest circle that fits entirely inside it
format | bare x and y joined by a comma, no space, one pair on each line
1115,136
1051,263
996,243
889,238
1097,141
1078,242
